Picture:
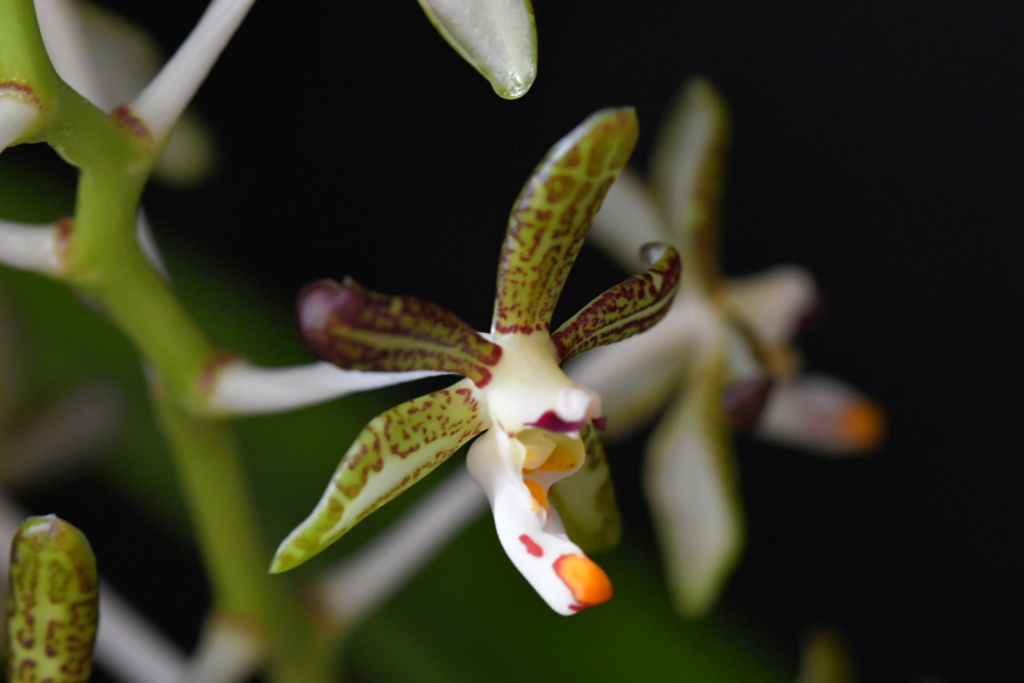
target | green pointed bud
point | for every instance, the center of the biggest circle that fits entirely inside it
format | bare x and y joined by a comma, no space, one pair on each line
497,37
53,604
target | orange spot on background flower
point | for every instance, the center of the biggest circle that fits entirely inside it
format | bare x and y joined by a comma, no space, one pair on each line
588,582
863,424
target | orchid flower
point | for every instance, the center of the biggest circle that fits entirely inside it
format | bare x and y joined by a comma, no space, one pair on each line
540,449
497,37
721,350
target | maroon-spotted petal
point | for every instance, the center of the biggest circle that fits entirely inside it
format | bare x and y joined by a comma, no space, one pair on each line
552,216
628,308
357,329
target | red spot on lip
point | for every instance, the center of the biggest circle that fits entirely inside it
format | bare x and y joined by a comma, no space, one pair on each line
578,608
552,423
531,546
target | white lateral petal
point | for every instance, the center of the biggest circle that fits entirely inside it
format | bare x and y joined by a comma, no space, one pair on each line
16,117
692,487
628,219
773,302
240,388
29,247
534,539
163,100
497,37
823,414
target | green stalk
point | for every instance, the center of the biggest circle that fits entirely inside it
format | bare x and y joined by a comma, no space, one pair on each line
101,257
23,58
236,558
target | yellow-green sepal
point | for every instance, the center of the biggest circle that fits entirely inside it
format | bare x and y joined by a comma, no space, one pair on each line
394,451
630,307
552,216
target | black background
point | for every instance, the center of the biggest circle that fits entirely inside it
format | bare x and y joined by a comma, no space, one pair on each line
879,145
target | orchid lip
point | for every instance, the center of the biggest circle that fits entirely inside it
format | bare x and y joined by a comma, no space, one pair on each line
550,422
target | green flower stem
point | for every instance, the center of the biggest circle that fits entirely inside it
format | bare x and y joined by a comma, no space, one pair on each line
236,557
101,257
23,57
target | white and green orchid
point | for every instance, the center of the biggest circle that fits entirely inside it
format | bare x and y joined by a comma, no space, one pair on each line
721,358
538,426
497,37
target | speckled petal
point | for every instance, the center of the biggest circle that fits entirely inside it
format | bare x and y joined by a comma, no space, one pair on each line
497,37
361,330
692,486
394,451
636,376
686,173
52,605
586,499
628,308
552,215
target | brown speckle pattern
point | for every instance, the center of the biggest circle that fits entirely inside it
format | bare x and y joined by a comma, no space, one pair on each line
552,215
